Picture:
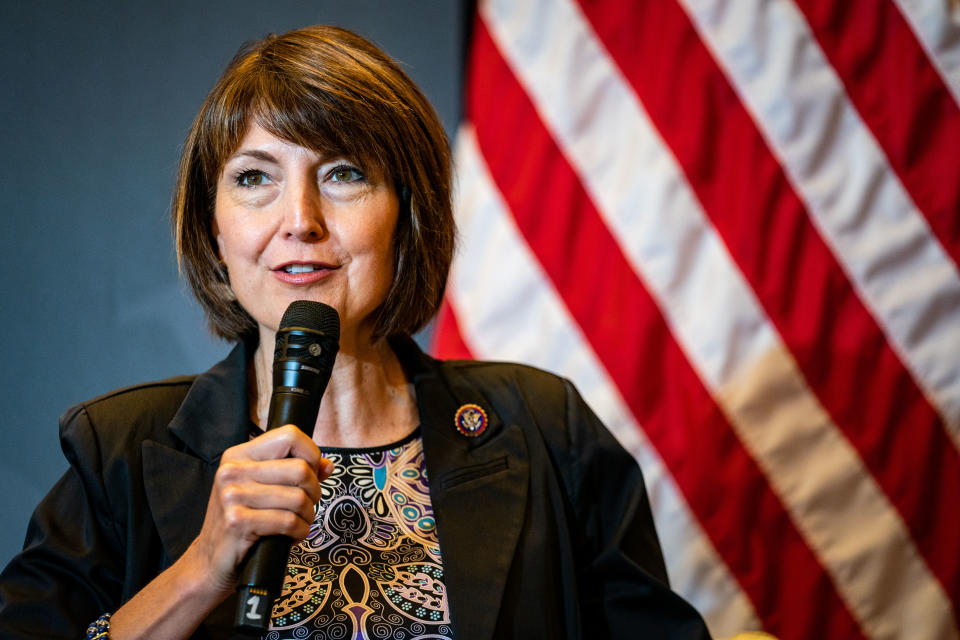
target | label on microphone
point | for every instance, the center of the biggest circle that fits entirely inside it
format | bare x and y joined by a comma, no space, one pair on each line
297,390
253,611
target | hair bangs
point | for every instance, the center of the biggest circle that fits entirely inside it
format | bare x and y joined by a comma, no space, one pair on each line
307,105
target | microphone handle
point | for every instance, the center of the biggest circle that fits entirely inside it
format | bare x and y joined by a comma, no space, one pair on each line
261,572
264,568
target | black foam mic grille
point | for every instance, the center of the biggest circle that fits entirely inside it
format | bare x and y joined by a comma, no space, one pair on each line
312,315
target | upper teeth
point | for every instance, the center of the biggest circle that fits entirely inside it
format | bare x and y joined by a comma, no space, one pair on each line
299,268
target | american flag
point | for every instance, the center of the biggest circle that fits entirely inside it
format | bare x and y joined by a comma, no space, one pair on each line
735,225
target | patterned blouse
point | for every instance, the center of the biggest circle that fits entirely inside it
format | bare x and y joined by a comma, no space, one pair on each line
371,566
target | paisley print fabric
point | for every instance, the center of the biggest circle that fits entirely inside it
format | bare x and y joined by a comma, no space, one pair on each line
371,566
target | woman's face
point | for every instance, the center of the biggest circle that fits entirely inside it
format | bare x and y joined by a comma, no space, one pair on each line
292,224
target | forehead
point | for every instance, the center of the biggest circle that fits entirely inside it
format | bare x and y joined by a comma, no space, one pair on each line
257,139
265,132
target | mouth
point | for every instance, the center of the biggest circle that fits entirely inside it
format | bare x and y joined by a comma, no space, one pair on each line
304,272
304,267
301,268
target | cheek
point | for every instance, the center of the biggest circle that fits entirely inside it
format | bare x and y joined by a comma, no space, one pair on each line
382,246
387,265
371,233
240,237
227,243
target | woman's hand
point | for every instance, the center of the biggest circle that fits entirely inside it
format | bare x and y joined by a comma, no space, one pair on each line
263,487
269,485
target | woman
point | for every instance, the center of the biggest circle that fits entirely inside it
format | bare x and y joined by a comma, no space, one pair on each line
444,500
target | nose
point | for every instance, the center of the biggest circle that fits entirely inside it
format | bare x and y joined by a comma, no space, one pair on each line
303,212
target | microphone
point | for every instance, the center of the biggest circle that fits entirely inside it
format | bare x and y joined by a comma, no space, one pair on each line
307,343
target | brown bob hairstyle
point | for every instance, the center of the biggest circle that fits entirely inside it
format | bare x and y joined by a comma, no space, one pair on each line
329,90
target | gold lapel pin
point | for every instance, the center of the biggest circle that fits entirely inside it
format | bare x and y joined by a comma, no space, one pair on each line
470,420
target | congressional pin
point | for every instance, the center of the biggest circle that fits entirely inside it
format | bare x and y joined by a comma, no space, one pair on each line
470,420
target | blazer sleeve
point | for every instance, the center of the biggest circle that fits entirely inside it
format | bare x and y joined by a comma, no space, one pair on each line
624,576
70,569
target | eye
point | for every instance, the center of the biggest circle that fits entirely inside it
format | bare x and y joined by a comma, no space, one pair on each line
345,173
251,178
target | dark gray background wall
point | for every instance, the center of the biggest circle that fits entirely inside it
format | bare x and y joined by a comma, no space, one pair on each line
96,100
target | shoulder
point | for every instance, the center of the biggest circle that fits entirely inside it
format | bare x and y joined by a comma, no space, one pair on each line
116,419
501,382
527,397
148,396
486,374
512,387
544,405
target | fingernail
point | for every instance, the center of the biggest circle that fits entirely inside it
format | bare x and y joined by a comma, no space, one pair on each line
326,466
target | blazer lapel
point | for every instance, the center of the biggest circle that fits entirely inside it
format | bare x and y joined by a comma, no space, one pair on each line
178,475
177,486
478,486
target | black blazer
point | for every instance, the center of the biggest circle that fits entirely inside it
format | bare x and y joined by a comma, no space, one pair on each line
543,520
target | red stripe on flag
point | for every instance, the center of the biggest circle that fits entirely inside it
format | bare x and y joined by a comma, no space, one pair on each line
838,345
619,318
447,340
901,98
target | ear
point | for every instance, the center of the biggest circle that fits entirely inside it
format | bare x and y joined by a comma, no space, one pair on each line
215,230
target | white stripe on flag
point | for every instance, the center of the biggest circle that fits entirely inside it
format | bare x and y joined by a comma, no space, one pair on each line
898,267
644,198
936,24
494,277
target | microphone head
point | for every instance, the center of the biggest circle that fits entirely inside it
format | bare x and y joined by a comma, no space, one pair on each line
314,316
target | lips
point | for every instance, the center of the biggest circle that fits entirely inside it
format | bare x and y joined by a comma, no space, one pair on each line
303,272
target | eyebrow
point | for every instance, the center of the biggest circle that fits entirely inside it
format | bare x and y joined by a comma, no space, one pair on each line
257,154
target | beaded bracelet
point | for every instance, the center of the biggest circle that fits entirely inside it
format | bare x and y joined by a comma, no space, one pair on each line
99,629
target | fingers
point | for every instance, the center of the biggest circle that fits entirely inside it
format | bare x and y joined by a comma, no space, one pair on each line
266,522
247,478
284,442
271,484
257,514
267,486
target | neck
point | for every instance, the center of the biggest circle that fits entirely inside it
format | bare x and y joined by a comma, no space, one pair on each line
368,403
